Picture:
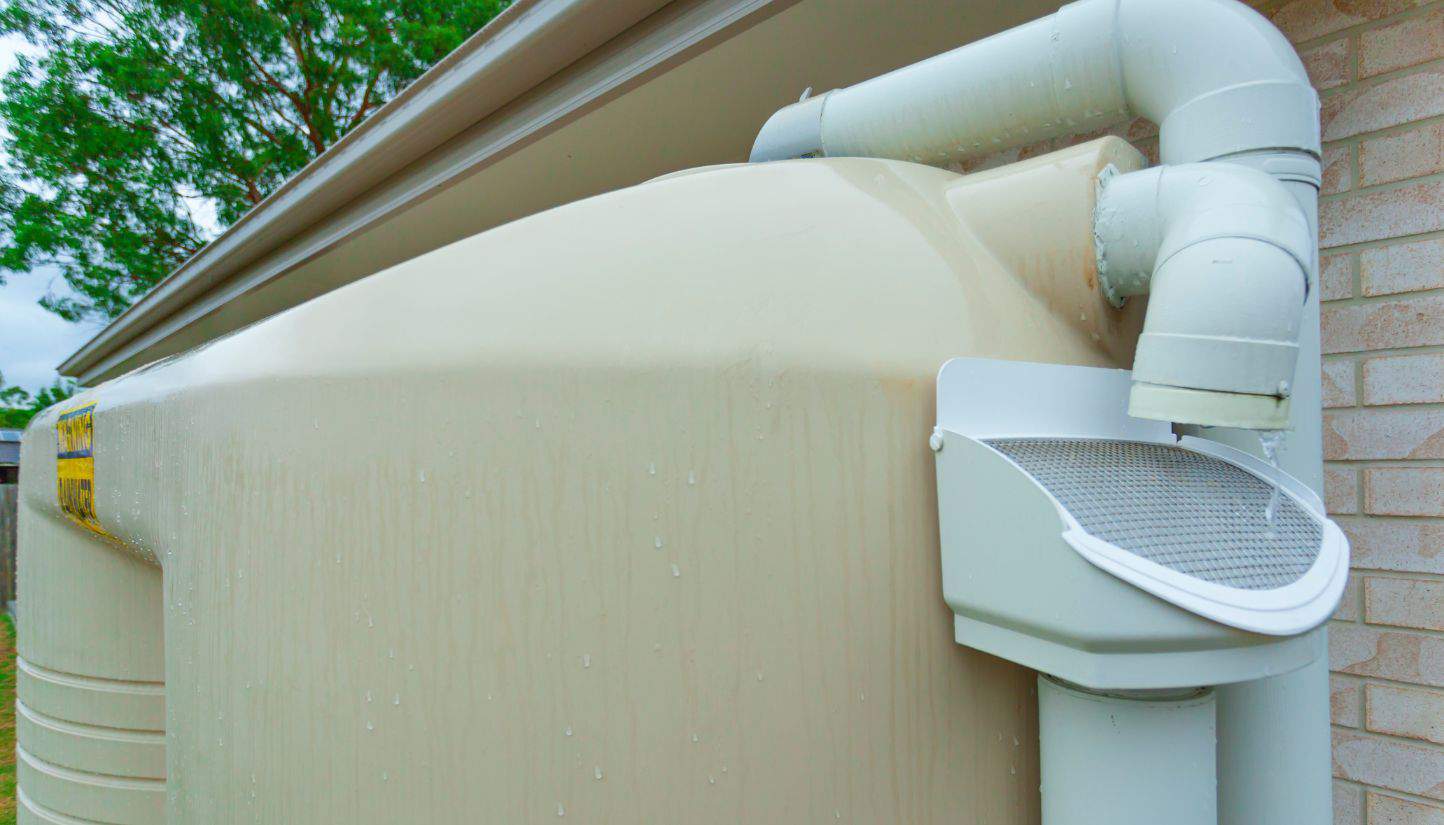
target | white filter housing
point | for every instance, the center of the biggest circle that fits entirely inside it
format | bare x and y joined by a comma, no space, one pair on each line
1099,548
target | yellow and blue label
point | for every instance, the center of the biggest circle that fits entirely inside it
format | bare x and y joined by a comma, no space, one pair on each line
75,465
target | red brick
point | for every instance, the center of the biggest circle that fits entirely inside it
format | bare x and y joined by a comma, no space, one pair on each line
1346,697
1338,378
1406,322
1404,491
1384,213
1400,45
1402,267
1388,763
1405,545
1392,102
1336,277
1399,655
1341,489
1140,128
1391,810
1348,804
1409,712
1328,64
1410,154
1403,379
1303,20
1338,171
1349,609
1416,603
1383,432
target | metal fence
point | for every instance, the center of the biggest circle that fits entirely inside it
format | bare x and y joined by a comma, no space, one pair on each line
9,503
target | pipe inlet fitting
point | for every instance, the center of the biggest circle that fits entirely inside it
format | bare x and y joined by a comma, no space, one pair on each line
1224,252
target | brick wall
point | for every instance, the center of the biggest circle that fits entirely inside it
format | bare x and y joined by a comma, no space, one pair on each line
1379,69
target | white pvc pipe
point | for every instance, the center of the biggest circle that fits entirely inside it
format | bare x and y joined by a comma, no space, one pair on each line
1222,83
1225,252
1140,759
1273,734
1215,75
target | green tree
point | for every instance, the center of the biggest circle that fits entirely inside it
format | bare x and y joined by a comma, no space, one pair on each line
17,406
141,115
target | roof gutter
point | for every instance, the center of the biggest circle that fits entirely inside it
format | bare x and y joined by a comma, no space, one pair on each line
526,44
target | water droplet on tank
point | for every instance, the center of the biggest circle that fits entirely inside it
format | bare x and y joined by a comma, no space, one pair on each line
567,731
691,476
561,811
586,660
676,571
657,542
597,773
652,468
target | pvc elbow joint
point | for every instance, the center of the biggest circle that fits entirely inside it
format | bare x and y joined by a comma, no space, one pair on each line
1224,252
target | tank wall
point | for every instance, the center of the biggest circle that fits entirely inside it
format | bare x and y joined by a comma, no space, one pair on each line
637,488
90,709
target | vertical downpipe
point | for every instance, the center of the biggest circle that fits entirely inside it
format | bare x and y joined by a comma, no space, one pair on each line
1273,734
1142,757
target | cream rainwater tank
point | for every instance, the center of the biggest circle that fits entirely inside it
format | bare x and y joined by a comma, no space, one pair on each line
624,512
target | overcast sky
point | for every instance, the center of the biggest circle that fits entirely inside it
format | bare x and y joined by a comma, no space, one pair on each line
32,340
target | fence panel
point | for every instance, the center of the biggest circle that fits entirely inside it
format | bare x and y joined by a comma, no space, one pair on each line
9,503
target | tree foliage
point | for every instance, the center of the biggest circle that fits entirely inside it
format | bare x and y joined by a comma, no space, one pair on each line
142,115
17,406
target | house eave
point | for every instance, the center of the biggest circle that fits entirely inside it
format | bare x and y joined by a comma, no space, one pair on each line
523,46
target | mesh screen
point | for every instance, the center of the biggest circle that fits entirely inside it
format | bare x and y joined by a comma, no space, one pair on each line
1184,510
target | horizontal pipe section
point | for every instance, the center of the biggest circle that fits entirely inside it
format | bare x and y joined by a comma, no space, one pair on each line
1216,76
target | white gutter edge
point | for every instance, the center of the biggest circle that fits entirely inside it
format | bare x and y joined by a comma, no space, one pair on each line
524,45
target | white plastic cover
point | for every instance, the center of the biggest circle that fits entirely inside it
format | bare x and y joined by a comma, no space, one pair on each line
1191,521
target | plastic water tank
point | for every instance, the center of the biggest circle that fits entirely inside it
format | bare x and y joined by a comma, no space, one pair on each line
624,511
